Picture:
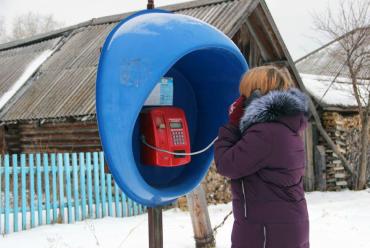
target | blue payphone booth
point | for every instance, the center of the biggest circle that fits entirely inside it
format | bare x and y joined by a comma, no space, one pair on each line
205,67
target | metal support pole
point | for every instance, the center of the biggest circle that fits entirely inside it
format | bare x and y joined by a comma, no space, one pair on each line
155,227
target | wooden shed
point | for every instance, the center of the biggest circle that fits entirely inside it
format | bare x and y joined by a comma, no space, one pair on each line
327,80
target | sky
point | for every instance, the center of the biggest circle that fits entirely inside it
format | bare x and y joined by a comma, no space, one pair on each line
293,17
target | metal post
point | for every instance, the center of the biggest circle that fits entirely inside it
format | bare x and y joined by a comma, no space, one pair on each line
155,227
150,4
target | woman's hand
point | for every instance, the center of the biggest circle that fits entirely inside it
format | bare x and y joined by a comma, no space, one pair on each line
236,110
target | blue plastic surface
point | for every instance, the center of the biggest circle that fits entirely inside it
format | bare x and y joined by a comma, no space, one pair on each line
206,67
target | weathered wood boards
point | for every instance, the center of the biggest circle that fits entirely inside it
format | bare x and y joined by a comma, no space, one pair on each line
39,189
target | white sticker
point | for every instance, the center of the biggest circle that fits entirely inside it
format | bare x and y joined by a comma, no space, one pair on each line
162,94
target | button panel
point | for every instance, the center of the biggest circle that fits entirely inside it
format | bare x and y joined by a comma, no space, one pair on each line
178,137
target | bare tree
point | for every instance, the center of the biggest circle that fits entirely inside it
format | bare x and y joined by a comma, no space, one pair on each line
30,24
3,34
350,27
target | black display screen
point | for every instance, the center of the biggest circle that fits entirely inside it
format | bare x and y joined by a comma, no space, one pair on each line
176,124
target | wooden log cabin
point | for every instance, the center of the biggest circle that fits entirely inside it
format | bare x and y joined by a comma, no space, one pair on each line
54,109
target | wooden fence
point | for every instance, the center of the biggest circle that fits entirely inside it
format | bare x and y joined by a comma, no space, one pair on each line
38,189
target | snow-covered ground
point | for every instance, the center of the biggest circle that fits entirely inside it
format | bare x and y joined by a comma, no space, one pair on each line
340,220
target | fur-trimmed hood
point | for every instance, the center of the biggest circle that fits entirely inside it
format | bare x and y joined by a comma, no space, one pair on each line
283,106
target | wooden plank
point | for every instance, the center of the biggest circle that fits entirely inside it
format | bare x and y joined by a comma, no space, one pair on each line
47,188
32,190
116,200
234,25
69,148
68,186
39,188
24,189
15,192
54,183
59,138
264,53
89,184
69,131
82,185
62,124
3,144
96,185
136,208
309,178
341,183
109,189
7,194
125,210
61,188
142,209
320,168
273,40
254,54
75,187
102,183
56,144
130,206
340,175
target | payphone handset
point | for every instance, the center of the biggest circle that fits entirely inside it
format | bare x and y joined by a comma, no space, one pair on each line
166,129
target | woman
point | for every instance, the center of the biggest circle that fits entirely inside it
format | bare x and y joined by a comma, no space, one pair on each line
261,150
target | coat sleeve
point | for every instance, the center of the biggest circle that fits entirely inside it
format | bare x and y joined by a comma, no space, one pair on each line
237,155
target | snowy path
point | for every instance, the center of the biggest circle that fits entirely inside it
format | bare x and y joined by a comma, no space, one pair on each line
339,220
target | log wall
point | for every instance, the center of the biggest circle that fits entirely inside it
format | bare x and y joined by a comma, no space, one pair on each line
50,137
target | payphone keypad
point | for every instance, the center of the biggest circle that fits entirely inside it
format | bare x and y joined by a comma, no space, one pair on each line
178,137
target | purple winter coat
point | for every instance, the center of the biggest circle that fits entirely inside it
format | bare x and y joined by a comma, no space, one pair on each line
265,160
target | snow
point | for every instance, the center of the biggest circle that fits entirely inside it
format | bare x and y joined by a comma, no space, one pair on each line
28,72
337,219
340,92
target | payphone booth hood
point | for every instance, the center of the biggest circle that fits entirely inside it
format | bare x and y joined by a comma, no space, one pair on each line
206,67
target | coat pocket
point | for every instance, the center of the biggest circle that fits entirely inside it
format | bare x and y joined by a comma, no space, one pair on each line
289,193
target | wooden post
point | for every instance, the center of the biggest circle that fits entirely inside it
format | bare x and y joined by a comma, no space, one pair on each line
203,233
309,178
150,4
155,227
320,168
3,145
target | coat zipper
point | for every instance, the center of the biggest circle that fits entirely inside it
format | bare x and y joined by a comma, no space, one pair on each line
245,200
264,235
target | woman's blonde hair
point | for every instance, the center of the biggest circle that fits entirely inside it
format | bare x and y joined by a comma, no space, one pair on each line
264,79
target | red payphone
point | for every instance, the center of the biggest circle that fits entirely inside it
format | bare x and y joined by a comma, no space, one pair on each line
164,130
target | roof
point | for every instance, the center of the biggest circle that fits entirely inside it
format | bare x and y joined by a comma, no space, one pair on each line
323,70
64,85
333,94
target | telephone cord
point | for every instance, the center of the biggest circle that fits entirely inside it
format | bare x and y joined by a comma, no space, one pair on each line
178,153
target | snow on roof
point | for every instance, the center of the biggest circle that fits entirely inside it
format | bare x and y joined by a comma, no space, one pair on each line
28,72
328,93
